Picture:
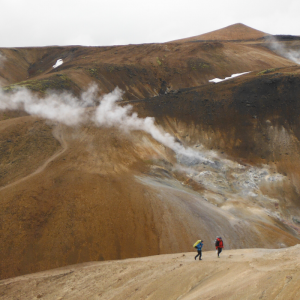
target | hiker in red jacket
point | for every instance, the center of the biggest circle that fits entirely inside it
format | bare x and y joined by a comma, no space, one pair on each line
219,245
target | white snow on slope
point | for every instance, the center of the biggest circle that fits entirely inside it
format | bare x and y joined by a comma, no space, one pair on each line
58,63
216,80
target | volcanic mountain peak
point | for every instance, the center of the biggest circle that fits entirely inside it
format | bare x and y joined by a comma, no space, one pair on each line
237,31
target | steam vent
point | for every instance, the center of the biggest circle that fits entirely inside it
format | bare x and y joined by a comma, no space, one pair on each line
115,160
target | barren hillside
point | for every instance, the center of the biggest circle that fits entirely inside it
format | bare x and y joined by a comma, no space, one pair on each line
140,70
198,160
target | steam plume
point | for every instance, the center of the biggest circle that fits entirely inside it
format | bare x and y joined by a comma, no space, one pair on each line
108,113
71,111
63,108
283,51
2,59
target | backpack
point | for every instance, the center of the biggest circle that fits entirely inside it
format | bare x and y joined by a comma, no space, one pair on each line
199,241
219,243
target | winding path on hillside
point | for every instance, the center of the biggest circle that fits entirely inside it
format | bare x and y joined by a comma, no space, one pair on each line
58,134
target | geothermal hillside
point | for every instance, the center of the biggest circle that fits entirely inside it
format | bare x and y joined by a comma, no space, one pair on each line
83,179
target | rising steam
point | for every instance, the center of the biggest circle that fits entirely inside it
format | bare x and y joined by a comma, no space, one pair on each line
72,111
2,59
283,51
63,108
222,176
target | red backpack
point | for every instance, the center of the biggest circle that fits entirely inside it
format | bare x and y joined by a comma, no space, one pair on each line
220,243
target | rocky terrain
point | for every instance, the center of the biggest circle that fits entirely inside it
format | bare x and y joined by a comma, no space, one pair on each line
90,181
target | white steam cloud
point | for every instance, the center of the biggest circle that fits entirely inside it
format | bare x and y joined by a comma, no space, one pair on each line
283,51
2,59
63,108
223,177
108,113
72,111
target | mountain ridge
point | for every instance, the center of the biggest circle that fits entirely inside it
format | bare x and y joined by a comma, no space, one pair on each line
233,32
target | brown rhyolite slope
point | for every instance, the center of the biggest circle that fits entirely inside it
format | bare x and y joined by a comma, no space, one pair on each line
106,196
102,194
235,32
140,70
19,140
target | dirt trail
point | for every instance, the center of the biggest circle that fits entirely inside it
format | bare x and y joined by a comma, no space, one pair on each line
237,274
58,134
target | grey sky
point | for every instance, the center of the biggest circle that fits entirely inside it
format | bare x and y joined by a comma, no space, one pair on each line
113,22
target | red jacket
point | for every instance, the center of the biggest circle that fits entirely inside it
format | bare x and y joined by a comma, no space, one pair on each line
219,243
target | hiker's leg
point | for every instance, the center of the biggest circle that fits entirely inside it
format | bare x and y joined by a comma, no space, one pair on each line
219,251
200,253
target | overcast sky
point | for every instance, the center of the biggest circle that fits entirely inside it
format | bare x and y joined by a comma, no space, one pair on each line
116,22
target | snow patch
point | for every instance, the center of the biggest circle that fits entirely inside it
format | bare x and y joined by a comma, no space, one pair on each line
58,63
216,80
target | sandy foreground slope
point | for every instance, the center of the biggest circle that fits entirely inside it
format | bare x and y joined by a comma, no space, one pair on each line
237,274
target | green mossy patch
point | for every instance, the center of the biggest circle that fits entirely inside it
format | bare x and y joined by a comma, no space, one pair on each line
111,68
57,82
93,72
266,71
198,64
158,61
